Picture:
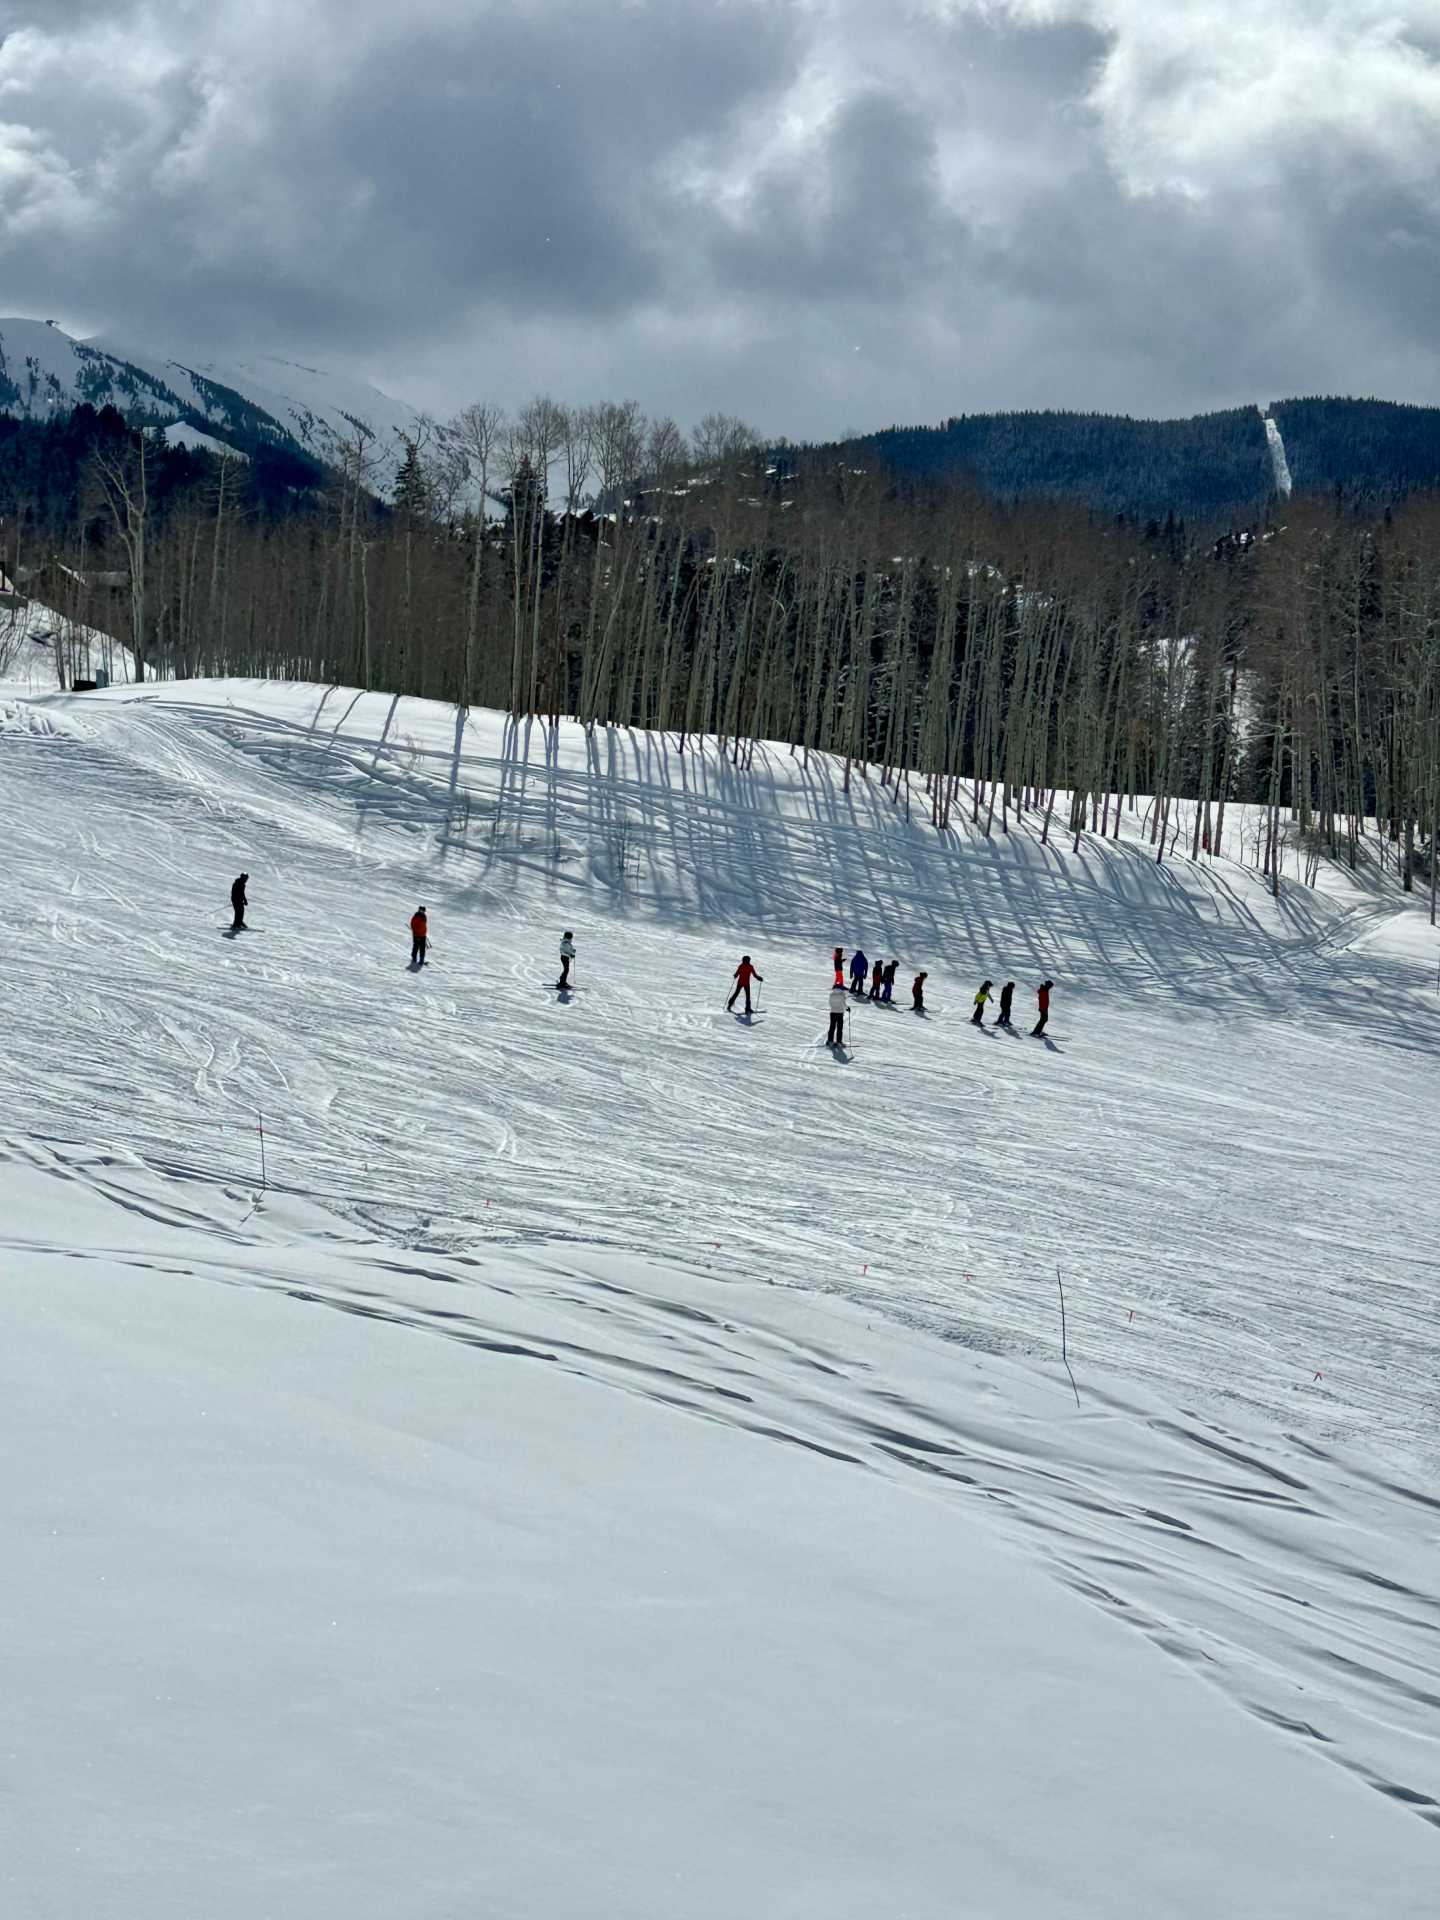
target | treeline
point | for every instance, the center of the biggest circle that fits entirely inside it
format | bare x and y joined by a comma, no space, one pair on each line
1372,451
1215,466
48,485
979,660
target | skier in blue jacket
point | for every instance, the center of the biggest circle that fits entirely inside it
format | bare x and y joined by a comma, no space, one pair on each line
859,971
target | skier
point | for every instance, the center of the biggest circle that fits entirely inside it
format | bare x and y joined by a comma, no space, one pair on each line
839,966
859,967
876,976
238,903
887,980
1007,994
1042,1000
744,974
839,1000
917,992
567,954
419,937
977,1019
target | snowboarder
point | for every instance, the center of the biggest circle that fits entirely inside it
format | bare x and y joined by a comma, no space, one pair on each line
419,937
1042,1001
917,992
567,954
977,1019
887,980
859,967
839,966
744,974
238,903
876,976
1007,994
839,1001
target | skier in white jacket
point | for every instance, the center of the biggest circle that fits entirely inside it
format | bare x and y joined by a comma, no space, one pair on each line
567,954
839,1001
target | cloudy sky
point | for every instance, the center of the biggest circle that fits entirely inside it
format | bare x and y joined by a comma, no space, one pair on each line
816,213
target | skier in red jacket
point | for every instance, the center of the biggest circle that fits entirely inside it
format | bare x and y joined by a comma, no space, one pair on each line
419,937
744,974
1042,1001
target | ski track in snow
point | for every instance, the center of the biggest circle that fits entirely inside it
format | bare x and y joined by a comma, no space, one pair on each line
1224,1138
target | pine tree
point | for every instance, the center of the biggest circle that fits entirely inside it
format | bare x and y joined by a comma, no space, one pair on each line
412,489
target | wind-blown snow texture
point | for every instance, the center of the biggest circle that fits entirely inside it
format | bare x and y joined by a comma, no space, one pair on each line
731,1542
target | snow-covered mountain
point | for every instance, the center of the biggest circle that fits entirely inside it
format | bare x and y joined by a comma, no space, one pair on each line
44,371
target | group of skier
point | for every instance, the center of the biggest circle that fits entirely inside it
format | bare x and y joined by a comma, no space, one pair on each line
873,980
881,976
1007,995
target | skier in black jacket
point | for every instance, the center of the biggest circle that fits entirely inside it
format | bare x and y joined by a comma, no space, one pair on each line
237,902
1007,994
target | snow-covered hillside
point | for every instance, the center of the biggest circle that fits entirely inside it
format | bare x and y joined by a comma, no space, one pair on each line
44,371
623,1462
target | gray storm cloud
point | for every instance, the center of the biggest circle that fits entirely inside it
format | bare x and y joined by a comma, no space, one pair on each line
819,215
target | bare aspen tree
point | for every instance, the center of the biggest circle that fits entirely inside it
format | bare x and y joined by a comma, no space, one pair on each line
124,483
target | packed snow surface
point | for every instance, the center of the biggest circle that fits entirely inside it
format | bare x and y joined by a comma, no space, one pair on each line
623,1463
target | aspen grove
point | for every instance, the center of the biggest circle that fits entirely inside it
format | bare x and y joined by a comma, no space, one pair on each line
977,658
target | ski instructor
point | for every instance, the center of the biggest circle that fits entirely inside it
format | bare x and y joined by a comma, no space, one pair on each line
238,904
839,1005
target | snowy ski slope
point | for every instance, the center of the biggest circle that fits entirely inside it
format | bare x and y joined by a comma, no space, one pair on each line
1225,1147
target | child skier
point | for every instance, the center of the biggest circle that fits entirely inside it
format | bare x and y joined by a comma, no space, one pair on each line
419,937
859,967
917,992
977,1019
567,954
1007,994
887,980
744,974
839,966
876,977
839,1001
1042,1001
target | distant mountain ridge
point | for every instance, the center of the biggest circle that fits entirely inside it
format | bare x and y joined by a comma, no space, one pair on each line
243,404
1212,466
1227,466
